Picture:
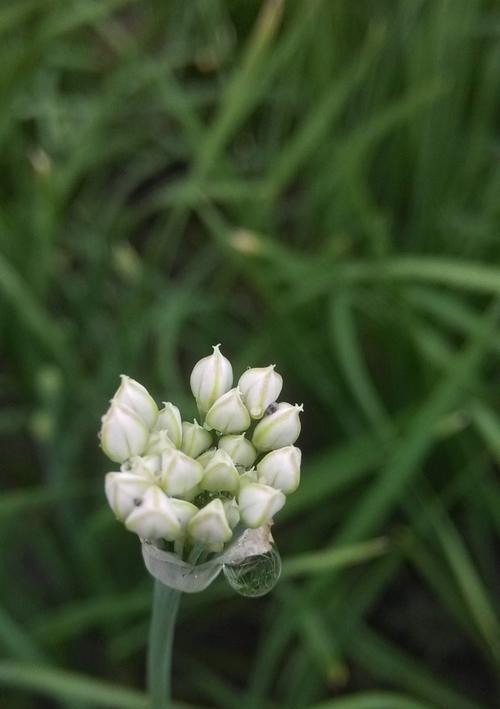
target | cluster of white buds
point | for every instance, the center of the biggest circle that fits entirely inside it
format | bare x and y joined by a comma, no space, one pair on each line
191,483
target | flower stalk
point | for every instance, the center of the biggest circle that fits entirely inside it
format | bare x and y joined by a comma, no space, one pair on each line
161,637
201,496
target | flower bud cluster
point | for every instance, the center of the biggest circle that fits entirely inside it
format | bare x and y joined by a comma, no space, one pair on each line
190,482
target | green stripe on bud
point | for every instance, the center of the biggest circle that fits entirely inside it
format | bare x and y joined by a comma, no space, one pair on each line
228,414
278,429
260,386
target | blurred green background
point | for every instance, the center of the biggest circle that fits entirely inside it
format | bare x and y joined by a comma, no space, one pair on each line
312,183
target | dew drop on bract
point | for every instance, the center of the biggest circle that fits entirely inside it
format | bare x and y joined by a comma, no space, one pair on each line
256,575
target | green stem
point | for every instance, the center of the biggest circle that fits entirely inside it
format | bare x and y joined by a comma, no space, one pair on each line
161,636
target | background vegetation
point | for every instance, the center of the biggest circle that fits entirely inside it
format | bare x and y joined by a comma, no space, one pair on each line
312,183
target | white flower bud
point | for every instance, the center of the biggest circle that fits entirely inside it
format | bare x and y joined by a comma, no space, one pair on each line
281,469
239,448
148,466
179,473
123,433
204,458
260,387
220,474
184,511
124,491
136,397
190,494
158,442
259,503
281,428
210,525
232,512
155,517
195,439
211,377
169,420
229,414
249,476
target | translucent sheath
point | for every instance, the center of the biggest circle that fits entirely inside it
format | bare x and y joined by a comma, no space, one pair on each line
251,565
171,571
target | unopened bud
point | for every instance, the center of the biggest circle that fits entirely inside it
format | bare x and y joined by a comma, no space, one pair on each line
220,474
260,387
259,503
124,491
155,517
239,448
179,473
278,429
123,433
195,439
249,476
205,457
136,397
158,442
232,512
192,493
211,377
169,420
281,469
184,511
229,414
146,465
210,525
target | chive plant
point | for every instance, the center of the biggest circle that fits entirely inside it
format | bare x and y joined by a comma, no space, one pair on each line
201,496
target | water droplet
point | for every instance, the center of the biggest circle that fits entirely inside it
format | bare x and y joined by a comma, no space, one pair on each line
256,575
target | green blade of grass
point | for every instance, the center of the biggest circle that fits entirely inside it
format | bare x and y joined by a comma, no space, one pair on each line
31,313
469,582
320,119
241,89
475,277
347,346
410,451
316,562
69,687
16,641
374,700
390,664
